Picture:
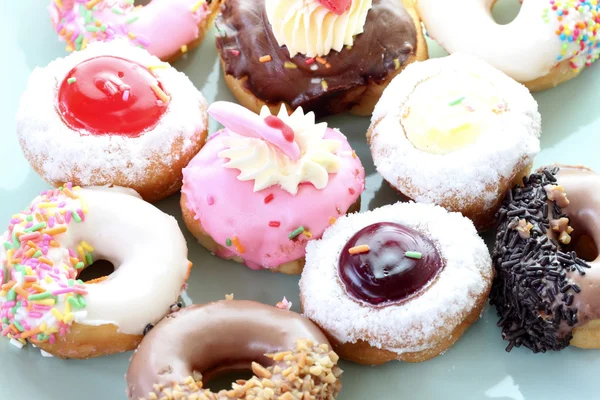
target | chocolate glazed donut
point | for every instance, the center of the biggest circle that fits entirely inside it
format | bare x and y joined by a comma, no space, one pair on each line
546,294
389,42
207,340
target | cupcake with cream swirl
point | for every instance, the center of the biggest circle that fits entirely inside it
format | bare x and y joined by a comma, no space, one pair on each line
326,56
267,184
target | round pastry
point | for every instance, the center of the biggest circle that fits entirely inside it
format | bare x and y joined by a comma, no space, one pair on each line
455,132
112,114
326,56
63,232
265,185
289,356
80,22
401,282
546,259
548,43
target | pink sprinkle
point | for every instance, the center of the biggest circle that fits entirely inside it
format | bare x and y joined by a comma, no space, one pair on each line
5,331
235,52
35,314
63,291
41,307
30,278
15,221
51,222
25,325
30,236
210,200
81,214
72,253
59,218
9,304
52,339
80,291
69,185
67,217
126,95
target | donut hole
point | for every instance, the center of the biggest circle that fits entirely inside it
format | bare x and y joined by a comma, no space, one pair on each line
97,270
585,246
505,11
223,380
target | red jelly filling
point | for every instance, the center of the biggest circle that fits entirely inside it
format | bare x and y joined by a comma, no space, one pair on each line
398,264
111,95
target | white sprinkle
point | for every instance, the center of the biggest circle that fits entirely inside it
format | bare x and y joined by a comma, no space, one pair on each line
45,354
16,343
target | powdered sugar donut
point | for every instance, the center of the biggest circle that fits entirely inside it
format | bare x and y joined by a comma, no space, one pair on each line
265,185
166,28
62,233
455,132
112,114
400,282
548,43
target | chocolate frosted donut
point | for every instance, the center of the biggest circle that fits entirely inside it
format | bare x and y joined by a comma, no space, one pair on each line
286,352
546,295
259,67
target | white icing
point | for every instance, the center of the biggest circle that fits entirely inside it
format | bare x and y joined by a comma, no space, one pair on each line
525,49
264,163
309,28
472,172
58,151
419,323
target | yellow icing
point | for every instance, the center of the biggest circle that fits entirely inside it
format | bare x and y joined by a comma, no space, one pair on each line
450,111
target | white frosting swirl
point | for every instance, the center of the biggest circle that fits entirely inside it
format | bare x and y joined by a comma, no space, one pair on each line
267,165
307,27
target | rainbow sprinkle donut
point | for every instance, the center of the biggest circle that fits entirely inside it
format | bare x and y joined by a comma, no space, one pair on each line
548,43
63,232
79,22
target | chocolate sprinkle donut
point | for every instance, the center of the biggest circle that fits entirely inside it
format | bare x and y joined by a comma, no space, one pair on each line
531,292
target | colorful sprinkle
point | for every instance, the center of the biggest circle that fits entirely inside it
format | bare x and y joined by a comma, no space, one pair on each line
269,198
34,300
295,233
290,65
238,246
184,48
265,59
457,101
71,81
363,248
274,224
413,254
228,242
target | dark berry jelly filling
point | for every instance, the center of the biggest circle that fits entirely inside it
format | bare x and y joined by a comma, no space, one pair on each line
111,95
387,262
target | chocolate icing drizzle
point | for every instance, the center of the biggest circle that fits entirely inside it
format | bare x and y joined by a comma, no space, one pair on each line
245,36
532,292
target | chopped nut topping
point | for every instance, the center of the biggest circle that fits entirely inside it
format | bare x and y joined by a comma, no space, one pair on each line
562,226
229,296
309,372
524,228
557,194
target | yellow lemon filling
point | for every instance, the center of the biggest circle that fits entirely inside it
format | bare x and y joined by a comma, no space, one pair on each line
450,111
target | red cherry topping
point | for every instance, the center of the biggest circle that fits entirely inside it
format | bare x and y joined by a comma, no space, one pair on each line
393,263
337,6
276,123
110,95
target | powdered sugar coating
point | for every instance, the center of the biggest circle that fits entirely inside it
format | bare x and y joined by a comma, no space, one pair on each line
411,326
471,173
62,154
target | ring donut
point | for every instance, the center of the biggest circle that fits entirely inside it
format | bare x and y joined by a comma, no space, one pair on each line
288,354
547,43
79,23
63,232
547,262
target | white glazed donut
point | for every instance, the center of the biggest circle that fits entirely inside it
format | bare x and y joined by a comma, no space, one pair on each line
64,231
416,327
548,43
152,122
455,132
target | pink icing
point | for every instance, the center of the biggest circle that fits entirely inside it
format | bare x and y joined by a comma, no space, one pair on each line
162,27
244,122
236,210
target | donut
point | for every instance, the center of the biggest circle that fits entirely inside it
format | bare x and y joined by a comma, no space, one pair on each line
62,233
265,185
325,56
80,22
289,356
547,263
138,130
455,132
401,282
548,43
